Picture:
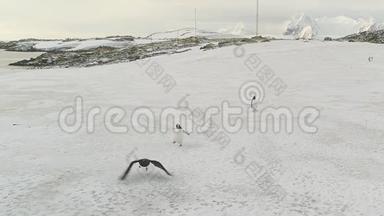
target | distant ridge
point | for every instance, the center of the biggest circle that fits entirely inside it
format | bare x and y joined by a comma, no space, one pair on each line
366,36
190,32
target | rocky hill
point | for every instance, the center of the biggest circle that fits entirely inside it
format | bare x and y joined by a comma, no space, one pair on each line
98,51
367,36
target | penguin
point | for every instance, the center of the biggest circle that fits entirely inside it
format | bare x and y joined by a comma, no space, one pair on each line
254,107
178,139
144,163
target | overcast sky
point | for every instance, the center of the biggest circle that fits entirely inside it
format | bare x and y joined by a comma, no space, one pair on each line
90,18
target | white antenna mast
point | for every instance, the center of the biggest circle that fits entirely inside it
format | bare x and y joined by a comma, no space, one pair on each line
257,17
195,20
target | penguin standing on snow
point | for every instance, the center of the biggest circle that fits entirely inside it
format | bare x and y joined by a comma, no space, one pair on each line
253,106
179,135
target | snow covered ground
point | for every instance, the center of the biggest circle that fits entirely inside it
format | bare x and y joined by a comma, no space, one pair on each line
337,171
125,41
78,45
74,45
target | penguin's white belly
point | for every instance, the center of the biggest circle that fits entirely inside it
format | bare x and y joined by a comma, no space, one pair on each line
179,137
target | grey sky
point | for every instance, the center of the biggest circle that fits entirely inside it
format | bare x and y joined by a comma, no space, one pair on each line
89,18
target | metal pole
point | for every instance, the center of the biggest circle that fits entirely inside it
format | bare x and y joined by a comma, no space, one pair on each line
195,21
257,17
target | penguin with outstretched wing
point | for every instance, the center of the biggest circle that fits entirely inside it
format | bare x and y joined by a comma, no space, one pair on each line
144,163
179,135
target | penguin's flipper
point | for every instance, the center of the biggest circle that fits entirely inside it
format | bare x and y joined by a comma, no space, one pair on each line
159,165
128,169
